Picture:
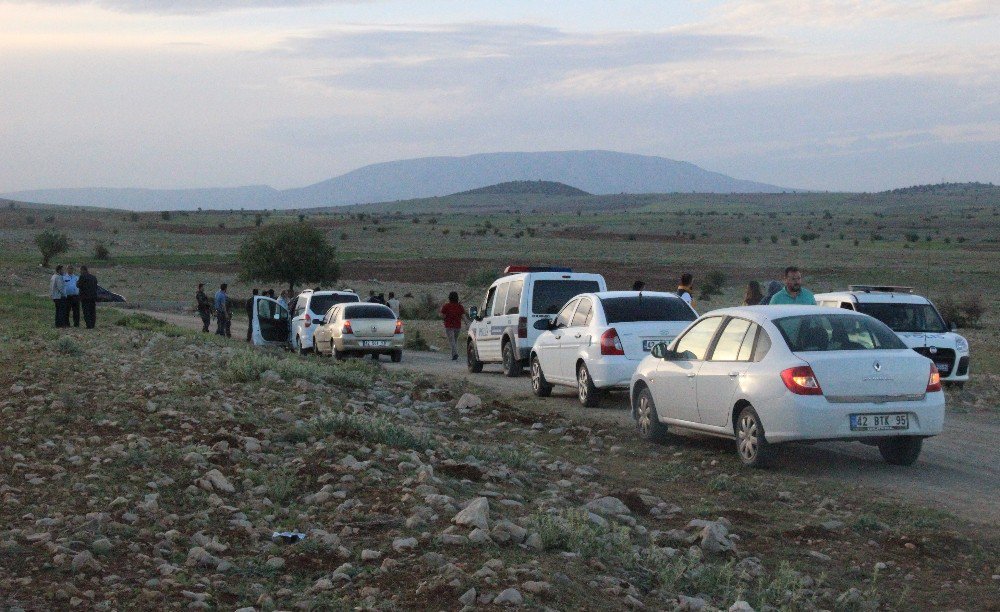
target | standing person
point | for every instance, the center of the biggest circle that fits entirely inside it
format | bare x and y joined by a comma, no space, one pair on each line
204,307
72,296
453,313
393,304
793,292
638,285
221,309
250,315
283,298
87,284
684,289
772,288
753,296
371,298
57,290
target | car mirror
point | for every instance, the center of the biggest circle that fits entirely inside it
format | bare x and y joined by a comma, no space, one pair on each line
543,325
659,350
952,326
474,313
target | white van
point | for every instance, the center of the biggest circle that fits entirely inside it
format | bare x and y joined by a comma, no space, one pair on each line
273,324
914,319
503,327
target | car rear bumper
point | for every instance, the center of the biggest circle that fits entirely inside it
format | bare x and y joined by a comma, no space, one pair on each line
798,417
612,371
356,345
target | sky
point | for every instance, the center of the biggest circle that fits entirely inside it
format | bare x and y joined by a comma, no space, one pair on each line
855,95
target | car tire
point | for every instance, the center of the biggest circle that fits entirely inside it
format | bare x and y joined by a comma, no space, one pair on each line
374,356
647,421
900,450
472,358
338,355
301,350
511,366
539,385
751,445
586,392
396,356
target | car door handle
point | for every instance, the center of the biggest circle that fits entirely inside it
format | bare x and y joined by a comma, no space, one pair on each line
578,335
690,374
734,374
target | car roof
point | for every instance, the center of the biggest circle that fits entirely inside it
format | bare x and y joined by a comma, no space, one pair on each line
328,292
874,297
770,313
548,276
625,294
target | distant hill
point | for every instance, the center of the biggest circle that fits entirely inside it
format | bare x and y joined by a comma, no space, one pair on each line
545,188
598,172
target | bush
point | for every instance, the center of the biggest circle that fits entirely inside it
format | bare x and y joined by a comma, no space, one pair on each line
68,346
481,278
165,215
426,308
416,341
966,313
247,366
101,252
51,243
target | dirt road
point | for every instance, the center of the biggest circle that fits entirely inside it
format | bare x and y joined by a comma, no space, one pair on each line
958,471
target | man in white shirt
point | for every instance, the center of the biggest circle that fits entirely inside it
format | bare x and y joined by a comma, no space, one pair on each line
393,304
57,291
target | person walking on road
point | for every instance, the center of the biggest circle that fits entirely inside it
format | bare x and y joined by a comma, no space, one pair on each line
204,307
72,296
393,304
250,315
454,314
221,310
57,290
793,292
753,296
87,285
684,289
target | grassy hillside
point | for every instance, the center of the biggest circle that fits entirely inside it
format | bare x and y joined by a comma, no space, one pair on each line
543,188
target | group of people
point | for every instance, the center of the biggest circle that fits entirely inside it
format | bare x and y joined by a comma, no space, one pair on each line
789,290
221,306
392,302
71,294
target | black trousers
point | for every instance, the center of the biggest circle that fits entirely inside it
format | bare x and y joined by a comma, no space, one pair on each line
62,318
221,326
206,320
73,306
89,313
249,326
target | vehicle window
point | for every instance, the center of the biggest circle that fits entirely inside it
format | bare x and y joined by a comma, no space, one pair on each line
548,296
300,309
265,309
369,311
646,308
836,333
514,297
694,344
584,312
322,303
566,315
906,317
746,349
731,340
847,305
762,346
498,306
490,298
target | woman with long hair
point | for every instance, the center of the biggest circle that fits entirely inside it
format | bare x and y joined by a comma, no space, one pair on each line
453,314
753,295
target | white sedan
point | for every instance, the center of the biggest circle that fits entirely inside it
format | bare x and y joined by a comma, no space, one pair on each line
764,375
598,339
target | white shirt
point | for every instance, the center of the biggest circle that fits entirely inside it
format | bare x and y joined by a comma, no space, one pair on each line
394,306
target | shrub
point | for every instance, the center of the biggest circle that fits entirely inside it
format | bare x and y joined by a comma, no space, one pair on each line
165,215
247,366
51,243
371,429
425,308
481,278
101,252
966,313
68,346
416,341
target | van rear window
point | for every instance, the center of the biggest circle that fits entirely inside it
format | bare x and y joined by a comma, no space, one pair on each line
548,296
633,309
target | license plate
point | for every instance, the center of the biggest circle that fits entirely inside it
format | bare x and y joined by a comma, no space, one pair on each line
374,343
647,345
879,422
944,367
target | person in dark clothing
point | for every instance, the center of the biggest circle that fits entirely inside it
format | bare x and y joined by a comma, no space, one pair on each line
204,307
250,315
88,296
72,296
222,311
638,285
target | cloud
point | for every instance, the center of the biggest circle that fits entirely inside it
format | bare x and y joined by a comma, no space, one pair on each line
186,7
758,15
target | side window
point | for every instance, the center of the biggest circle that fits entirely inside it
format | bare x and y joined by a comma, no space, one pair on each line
265,309
695,342
300,307
746,349
490,298
514,298
731,340
762,346
565,316
583,313
501,299
847,305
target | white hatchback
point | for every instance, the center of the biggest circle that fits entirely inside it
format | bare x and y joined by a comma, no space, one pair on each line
764,375
597,340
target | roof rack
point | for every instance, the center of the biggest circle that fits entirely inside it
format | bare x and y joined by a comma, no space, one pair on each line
519,269
880,288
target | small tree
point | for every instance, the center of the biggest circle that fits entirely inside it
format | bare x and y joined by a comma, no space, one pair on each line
101,252
51,243
288,253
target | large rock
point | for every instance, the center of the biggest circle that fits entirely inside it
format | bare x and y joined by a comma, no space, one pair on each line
509,596
715,538
468,400
475,514
608,506
215,480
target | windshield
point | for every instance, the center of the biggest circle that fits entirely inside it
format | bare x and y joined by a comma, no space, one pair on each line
548,296
369,311
836,332
322,303
646,308
906,317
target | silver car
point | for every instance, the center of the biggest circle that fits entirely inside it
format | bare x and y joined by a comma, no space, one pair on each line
360,329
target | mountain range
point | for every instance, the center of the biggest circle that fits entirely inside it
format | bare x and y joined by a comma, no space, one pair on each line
597,172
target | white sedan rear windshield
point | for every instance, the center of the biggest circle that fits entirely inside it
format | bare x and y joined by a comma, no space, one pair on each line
833,332
645,308
368,311
322,303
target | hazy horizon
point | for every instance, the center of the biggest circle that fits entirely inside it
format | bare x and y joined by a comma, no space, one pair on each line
833,95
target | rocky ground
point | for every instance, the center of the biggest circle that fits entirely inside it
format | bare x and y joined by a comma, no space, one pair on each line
143,466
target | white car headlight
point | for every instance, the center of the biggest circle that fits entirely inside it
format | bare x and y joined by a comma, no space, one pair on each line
961,344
